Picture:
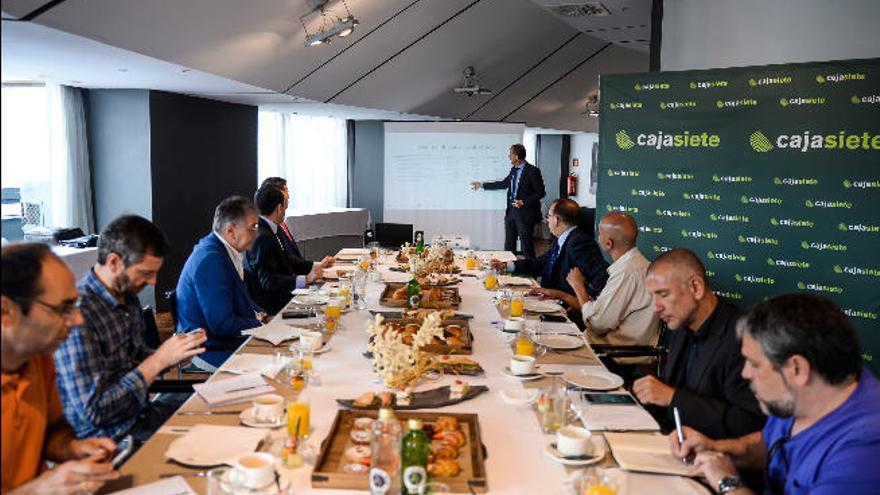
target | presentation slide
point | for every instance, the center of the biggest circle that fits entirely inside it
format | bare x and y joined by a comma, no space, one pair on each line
429,167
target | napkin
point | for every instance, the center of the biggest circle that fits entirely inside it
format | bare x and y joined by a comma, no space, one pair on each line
516,281
275,332
617,417
212,445
235,390
248,362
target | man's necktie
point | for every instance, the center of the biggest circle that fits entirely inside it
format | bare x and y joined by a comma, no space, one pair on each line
554,253
286,231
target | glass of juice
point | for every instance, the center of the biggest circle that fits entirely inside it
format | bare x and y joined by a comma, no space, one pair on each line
524,346
517,304
299,416
491,279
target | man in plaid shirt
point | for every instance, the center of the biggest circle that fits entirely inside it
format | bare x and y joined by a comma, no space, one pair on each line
105,367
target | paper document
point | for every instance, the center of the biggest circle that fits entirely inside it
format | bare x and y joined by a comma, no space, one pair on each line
276,331
176,486
618,417
645,452
249,362
233,390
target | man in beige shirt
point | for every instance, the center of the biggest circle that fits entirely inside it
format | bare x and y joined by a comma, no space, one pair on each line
621,314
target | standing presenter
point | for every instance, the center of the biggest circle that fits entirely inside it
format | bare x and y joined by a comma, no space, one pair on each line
525,188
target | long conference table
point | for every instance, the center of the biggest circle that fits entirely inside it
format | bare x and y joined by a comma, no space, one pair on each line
515,462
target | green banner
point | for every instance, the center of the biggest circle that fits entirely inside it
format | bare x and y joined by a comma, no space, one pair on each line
770,174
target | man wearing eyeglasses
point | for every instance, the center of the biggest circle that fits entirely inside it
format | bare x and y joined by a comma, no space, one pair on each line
804,364
211,292
39,306
105,367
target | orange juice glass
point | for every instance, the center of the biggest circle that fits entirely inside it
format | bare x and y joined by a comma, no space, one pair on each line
470,263
298,412
517,305
491,280
524,346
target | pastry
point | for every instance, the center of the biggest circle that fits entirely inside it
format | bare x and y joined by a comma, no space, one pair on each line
363,423
355,468
444,468
365,399
446,423
360,436
386,398
359,453
458,389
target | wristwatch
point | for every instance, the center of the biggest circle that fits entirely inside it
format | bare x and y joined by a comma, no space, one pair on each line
729,484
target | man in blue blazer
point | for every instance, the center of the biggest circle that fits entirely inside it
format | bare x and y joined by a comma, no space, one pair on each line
211,292
572,248
525,188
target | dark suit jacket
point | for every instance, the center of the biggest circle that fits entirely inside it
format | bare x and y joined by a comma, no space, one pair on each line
270,272
289,244
579,251
530,191
714,399
211,295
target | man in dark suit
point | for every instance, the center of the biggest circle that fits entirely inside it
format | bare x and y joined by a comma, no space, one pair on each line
286,237
271,273
702,376
211,292
572,248
525,188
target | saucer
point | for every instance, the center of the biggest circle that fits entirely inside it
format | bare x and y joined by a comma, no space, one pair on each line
583,460
247,418
270,489
321,350
531,376
518,397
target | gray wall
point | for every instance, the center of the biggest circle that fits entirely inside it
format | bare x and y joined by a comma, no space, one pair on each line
549,161
119,147
704,34
367,187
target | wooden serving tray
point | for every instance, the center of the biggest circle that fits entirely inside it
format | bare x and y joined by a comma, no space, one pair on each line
445,347
437,397
328,467
450,298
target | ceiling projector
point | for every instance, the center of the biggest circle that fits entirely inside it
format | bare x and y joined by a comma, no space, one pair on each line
471,86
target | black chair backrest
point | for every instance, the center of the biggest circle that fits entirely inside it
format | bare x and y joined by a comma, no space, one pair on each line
171,297
369,236
587,221
151,329
393,234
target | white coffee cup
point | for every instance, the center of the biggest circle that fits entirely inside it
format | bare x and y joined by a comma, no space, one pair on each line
268,408
515,324
311,341
522,365
572,441
254,470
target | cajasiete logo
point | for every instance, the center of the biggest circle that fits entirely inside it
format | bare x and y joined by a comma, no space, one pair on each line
731,178
861,183
648,193
660,140
698,234
788,263
672,105
770,81
857,227
742,102
713,255
840,77
792,222
652,86
622,208
859,313
809,141
857,270
622,173
726,217
729,295
799,101
760,200
817,287
700,196
757,239
865,99
755,279
660,249
795,181
674,176
673,213
707,84
650,229
823,246
625,105
827,203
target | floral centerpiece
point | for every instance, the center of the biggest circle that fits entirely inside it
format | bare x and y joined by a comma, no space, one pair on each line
398,363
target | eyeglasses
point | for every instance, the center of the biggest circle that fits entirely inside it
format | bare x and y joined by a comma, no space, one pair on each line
65,309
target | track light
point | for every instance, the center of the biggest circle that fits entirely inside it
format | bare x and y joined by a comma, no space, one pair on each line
341,27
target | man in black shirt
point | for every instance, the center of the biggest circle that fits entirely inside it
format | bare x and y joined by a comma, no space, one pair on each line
702,376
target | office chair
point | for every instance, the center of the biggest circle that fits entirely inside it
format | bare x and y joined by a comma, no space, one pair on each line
608,352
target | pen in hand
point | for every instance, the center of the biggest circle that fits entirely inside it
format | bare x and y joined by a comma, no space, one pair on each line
678,430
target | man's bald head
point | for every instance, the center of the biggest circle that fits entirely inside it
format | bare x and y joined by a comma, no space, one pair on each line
620,228
682,262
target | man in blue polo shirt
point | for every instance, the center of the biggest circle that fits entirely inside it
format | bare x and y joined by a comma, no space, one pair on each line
804,363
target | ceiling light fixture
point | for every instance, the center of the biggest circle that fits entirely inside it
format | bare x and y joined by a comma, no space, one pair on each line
331,25
471,84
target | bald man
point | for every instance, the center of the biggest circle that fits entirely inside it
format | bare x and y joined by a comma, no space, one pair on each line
702,376
622,313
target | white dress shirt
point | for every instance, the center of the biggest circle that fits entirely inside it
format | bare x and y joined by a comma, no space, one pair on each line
236,257
623,313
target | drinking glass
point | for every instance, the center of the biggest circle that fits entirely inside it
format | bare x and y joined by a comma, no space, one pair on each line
299,416
503,300
552,407
600,481
359,286
517,304
345,288
215,481
491,279
435,488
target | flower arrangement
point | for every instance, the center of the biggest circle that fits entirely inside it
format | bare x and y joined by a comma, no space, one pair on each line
398,363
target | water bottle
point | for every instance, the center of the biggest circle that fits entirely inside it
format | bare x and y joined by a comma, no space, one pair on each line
414,454
385,457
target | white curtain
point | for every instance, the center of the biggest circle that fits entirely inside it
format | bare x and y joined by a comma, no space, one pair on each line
310,152
71,182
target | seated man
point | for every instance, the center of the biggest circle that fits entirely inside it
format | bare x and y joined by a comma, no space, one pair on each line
105,367
285,235
804,363
39,306
271,273
622,314
702,372
573,248
211,293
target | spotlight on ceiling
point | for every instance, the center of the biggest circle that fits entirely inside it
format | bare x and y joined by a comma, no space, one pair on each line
341,27
471,84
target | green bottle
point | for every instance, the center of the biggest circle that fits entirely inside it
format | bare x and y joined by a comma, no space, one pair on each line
413,294
414,458
420,244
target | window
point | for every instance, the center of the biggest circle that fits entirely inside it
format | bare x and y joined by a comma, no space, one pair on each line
310,152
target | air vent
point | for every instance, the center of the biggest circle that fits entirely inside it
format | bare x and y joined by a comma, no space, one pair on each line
587,9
